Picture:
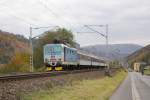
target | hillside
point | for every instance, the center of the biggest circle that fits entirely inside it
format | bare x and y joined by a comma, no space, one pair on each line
141,55
116,51
10,44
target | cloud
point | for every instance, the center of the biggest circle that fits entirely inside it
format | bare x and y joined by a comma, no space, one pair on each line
128,20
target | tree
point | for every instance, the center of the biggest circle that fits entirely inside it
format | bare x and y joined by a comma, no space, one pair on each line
115,63
61,35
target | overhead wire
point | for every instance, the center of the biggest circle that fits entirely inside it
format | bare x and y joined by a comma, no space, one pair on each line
46,7
75,25
54,13
12,13
60,8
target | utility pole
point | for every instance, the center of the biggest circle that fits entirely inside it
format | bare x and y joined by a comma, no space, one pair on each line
107,46
31,44
103,35
31,52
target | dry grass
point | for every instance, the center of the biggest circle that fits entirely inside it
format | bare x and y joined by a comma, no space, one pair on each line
95,89
147,72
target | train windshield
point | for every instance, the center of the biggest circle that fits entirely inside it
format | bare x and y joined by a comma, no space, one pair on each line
53,50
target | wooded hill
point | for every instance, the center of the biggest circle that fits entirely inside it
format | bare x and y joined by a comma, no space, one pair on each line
11,44
142,55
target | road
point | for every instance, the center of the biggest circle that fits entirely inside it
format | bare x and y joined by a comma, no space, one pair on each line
134,87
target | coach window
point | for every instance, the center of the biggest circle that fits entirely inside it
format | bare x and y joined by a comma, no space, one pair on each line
73,52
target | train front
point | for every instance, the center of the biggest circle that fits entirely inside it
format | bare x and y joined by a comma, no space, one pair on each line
53,54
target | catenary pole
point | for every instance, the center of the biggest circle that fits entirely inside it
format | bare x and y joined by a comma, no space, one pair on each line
31,51
31,44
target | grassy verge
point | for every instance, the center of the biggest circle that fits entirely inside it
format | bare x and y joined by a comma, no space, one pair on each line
96,89
147,72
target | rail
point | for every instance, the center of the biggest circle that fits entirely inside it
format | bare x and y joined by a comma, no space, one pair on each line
39,74
43,74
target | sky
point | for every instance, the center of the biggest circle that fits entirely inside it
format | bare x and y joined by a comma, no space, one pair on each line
128,20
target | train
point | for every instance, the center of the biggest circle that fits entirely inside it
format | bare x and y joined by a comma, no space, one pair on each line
60,57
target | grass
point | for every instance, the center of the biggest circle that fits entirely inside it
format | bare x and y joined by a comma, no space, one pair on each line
96,89
147,72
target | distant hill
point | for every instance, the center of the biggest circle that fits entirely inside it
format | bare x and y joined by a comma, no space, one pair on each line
9,44
141,55
116,51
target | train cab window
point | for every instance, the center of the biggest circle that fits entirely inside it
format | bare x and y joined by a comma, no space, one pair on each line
70,51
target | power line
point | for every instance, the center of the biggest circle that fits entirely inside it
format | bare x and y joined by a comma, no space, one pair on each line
19,18
45,6
55,14
50,10
60,9
88,26
12,13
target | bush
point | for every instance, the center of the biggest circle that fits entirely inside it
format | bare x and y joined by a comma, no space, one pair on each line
19,63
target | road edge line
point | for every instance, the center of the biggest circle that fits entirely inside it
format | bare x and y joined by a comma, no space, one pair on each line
135,94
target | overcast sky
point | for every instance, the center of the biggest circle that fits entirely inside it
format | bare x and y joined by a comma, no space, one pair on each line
128,20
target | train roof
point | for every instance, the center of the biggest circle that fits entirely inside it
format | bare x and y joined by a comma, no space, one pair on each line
89,54
63,45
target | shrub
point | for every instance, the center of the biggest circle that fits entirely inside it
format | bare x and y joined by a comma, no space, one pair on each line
18,63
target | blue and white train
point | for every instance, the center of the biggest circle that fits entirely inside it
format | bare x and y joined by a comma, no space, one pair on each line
61,57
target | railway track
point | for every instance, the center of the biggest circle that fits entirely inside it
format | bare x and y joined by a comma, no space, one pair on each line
40,74
44,74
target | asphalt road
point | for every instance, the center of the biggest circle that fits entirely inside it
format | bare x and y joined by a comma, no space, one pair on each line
134,87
